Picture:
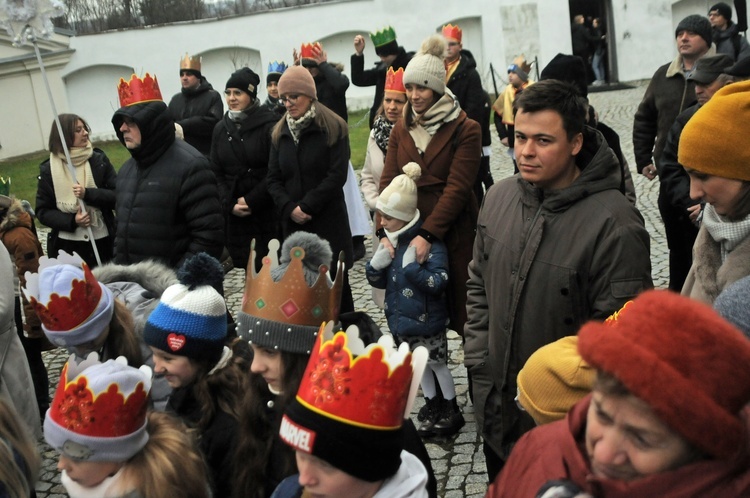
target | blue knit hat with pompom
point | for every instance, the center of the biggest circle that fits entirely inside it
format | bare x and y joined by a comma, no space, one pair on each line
191,319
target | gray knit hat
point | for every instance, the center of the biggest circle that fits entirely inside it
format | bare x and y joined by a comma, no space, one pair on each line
698,25
732,305
427,68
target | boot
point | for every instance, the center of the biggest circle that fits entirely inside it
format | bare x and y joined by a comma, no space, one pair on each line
449,420
431,412
422,414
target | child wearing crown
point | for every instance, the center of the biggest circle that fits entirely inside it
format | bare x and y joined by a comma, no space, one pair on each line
415,298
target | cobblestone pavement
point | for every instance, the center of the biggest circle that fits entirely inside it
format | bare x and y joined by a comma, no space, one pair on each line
458,461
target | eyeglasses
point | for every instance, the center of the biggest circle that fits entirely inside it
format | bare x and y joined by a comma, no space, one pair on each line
292,99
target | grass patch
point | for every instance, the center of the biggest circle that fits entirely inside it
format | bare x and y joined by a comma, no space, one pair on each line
359,133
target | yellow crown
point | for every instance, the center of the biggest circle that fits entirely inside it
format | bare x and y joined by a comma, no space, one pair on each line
192,63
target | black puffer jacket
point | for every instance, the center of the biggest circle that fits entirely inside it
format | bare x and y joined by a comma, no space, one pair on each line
197,111
466,85
376,76
331,85
239,159
167,199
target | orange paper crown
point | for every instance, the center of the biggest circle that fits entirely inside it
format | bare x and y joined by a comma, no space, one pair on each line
394,80
138,90
612,319
192,63
369,391
308,50
452,32
68,312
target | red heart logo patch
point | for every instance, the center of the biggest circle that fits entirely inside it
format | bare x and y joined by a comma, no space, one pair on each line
175,341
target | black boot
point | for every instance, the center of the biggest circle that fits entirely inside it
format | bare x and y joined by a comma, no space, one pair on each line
450,420
358,244
431,413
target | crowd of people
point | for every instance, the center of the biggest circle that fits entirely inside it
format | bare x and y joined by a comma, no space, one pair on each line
584,380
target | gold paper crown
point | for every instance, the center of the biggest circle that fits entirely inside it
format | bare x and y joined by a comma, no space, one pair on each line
192,63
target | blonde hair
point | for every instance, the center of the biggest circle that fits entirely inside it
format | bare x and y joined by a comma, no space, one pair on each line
19,460
170,464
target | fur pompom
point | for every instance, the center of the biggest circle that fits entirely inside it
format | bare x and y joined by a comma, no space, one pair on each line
201,269
317,252
412,170
434,45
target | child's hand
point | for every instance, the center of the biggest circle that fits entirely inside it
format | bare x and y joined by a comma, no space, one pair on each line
381,259
410,256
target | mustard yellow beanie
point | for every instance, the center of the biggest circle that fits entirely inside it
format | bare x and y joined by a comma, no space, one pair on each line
723,118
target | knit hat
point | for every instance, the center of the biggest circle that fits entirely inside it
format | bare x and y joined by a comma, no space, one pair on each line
732,304
686,362
707,69
740,69
284,304
275,70
246,80
724,10
554,379
98,413
520,67
726,115
72,305
427,68
297,80
385,41
568,68
698,25
352,402
399,199
190,320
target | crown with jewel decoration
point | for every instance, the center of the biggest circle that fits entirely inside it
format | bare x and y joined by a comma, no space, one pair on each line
192,63
287,313
394,80
383,37
276,67
138,90
99,410
452,32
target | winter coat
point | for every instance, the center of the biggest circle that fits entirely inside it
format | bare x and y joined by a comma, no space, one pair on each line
445,196
708,275
414,295
102,197
19,237
16,385
545,262
410,481
466,85
376,76
731,42
274,105
330,85
675,182
311,175
667,95
239,159
168,204
217,442
371,171
555,452
197,110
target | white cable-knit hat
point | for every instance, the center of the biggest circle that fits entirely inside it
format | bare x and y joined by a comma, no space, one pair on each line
427,68
399,199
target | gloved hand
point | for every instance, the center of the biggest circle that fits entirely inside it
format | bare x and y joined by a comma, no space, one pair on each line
381,259
410,256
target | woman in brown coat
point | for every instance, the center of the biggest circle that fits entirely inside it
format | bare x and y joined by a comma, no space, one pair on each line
436,134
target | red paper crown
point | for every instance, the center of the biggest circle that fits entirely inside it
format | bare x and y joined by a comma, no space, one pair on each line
138,90
308,50
452,32
394,80
108,413
366,391
68,312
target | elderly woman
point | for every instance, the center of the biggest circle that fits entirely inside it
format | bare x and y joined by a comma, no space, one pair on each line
308,168
721,254
57,193
437,135
240,147
665,417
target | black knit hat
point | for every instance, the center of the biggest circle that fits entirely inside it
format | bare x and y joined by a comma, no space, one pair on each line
568,68
246,80
724,10
698,25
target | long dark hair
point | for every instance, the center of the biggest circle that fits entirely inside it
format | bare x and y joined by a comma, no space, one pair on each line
259,429
741,208
121,339
68,123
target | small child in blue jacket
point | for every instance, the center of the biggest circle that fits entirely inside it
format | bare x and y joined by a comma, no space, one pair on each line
415,305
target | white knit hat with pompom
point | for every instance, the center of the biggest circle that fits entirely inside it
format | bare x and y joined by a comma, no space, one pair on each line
399,199
427,68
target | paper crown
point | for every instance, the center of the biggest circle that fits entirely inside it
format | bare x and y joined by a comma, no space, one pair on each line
383,37
394,80
289,312
452,32
138,90
99,410
612,319
276,67
307,50
520,63
4,186
72,305
191,63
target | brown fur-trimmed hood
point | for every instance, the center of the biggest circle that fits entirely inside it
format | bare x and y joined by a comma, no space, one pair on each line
17,216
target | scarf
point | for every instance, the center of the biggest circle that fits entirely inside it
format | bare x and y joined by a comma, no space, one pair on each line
381,128
728,234
445,110
297,125
393,236
238,116
111,487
